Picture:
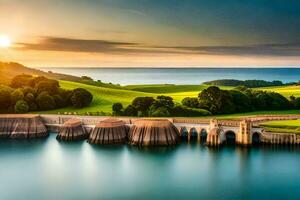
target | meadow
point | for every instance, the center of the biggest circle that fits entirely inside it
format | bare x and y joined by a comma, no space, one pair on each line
104,97
283,126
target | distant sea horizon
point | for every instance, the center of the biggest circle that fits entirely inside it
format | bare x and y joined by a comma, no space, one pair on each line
179,76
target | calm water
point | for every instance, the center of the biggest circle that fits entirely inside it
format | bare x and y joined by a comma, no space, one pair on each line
47,169
129,76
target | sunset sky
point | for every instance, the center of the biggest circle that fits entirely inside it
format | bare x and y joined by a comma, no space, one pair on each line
151,33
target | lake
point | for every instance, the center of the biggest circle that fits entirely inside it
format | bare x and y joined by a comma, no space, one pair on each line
128,76
48,169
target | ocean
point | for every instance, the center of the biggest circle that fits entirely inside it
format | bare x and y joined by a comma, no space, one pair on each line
132,76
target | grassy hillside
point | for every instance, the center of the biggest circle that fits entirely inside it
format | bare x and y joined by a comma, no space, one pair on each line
169,88
105,97
284,126
10,69
286,91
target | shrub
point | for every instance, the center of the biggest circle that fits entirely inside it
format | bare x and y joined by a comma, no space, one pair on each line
159,112
45,101
192,102
21,107
130,111
81,98
59,101
183,111
117,108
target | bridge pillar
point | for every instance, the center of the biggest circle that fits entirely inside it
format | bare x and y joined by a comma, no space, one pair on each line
213,136
244,136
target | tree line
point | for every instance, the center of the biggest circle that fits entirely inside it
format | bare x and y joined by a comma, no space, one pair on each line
212,100
28,93
241,99
161,106
246,83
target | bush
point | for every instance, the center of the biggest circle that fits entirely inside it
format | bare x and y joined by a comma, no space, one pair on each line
45,101
21,107
59,101
159,112
130,111
117,108
81,98
183,111
192,102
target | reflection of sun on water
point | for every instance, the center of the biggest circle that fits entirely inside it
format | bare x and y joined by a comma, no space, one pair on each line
4,42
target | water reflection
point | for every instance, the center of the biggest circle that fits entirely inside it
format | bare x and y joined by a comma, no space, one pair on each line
48,169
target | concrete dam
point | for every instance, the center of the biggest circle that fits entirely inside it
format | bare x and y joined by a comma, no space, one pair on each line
145,131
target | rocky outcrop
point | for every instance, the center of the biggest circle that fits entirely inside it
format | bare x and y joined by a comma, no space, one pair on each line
109,131
155,132
22,127
71,130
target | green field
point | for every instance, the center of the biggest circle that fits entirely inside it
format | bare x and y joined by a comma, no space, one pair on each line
284,126
105,97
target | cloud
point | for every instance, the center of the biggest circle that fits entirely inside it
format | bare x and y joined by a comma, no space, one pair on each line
116,47
288,49
78,45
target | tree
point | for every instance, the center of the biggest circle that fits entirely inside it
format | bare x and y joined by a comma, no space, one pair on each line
21,107
81,97
35,80
59,101
215,100
5,100
159,112
30,99
241,101
143,104
192,102
130,110
28,89
163,101
50,86
295,102
45,101
117,108
16,95
20,81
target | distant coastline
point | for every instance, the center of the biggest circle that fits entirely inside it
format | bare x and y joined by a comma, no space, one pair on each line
179,76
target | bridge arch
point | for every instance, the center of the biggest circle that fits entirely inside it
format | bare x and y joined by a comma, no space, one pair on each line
230,137
193,133
256,138
203,136
184,133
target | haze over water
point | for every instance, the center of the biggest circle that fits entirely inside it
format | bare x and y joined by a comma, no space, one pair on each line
128,76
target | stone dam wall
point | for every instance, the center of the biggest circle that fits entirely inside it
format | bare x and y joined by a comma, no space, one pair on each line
215,131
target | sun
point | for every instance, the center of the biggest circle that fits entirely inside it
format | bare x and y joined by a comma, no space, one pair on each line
4,41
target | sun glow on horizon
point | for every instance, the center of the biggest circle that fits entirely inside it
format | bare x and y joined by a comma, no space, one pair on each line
4,41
